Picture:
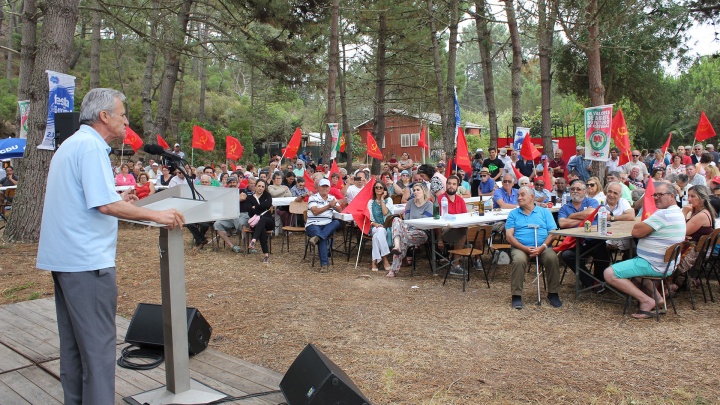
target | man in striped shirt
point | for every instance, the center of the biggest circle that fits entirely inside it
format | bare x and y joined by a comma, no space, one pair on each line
663,228
320,225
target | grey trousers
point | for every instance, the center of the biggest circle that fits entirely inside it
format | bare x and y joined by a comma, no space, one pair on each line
86,304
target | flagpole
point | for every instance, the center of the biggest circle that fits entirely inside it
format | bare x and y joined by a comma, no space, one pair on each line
360,244
192,156
122,154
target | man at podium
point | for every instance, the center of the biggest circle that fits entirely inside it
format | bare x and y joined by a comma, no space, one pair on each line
78,240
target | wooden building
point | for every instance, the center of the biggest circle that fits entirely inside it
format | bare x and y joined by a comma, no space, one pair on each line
402,132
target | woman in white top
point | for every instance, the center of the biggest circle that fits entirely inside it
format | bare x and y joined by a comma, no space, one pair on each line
676,167
380,207
620,210
594,190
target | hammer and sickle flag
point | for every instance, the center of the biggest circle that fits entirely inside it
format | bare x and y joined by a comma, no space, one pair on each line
372,147
202,139
132,139
233,148
619,132
704,129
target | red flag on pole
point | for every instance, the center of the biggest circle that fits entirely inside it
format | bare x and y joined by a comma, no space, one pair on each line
666,145
528,151
462,159
291,150
342,143
132,139
334,169
619,132
422,142
517,173
162,142
546,177
570,241
309,181
704,129
624,158
358,207
649,206
372,147
202,139
233,148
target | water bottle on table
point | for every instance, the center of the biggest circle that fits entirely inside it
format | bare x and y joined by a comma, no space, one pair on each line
444,207
602,220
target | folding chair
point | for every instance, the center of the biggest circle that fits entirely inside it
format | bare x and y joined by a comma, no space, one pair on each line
296,208
702,248
397,199
672,255
709,264
475,248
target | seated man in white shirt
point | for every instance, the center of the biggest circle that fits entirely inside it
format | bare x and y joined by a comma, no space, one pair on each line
178,179
353,189
320,225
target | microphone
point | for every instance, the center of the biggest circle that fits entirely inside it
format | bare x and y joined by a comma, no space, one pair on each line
154,149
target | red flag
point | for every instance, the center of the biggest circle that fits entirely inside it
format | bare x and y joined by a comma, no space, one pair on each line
624,158
619,132
162,142
570,241
704,129
462,158
666,145
528,151
132,139
291,150
372,147
202,139
334,169
449,167
546,177
342,143
233,148
649,206
422,142
309,181
358,206
243,183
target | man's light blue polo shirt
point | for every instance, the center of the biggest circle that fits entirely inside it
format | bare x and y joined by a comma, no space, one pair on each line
568,209
74,235
538,216
501,194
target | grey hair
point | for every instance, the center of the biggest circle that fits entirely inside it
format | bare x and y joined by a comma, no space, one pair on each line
527,190
614,173
637,194
96,101
669,187
204,176
672,178
614,183
524,178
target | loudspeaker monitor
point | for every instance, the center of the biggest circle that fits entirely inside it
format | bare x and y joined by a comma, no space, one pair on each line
313,379
66,124
145,329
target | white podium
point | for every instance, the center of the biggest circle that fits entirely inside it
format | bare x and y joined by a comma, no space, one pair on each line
218,203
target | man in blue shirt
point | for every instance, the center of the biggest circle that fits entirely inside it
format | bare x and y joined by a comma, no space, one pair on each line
78,239
506,197
521,236
487,184
574,214
579,163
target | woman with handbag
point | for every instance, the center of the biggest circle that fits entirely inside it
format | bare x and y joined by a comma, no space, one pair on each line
258,208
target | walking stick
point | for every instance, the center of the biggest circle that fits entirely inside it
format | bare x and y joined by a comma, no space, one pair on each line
537,262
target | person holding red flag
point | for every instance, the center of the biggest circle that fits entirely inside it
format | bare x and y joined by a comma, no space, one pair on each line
320,225
663,228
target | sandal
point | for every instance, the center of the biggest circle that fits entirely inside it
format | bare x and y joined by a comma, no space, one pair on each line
390,274
266,260
251,246
395,251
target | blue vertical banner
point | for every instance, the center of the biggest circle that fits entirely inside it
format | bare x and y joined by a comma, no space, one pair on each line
61,98
457,113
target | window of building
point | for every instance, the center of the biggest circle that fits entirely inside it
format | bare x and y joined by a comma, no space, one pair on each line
408,140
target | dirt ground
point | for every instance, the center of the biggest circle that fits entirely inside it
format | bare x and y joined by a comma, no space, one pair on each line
411,340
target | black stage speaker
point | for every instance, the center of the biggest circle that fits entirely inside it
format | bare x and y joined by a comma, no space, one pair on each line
145,328
65,125
313,379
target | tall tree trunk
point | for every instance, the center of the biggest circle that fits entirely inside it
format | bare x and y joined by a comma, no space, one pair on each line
333,56
546,30
95,48
11,27
28,32
482,19
515,69
117,41
380,83
597,90
449,136
59,19
147,83
181,89
203,72
172,66
437,67
343,110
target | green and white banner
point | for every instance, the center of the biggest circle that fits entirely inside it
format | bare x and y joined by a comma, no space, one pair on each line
334,138
598,124
24,107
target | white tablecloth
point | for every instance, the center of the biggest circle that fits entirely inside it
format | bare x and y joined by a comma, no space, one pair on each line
399,209
8,188
460,221
282,201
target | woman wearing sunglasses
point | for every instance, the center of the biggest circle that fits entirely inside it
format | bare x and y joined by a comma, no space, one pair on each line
380,207
594,190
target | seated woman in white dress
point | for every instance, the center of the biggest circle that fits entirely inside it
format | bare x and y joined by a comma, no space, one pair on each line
380,207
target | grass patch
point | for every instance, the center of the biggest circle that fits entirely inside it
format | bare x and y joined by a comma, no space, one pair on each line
35,295
10,292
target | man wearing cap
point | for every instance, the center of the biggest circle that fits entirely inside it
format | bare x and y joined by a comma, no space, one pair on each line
505,157
299,191
154,171
558,165
487,184
494,164
320,225
578,163
176,151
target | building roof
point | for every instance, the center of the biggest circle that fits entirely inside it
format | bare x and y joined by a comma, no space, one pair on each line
469,124
430,118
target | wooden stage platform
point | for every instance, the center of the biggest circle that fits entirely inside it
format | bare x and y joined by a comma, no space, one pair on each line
30,365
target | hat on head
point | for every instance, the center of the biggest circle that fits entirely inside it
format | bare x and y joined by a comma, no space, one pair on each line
579,147
324,182
478,150
716,179
247,174
441,164
404,172
544,157
177,144
503,151
231,178
484,170
154,164
709,146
